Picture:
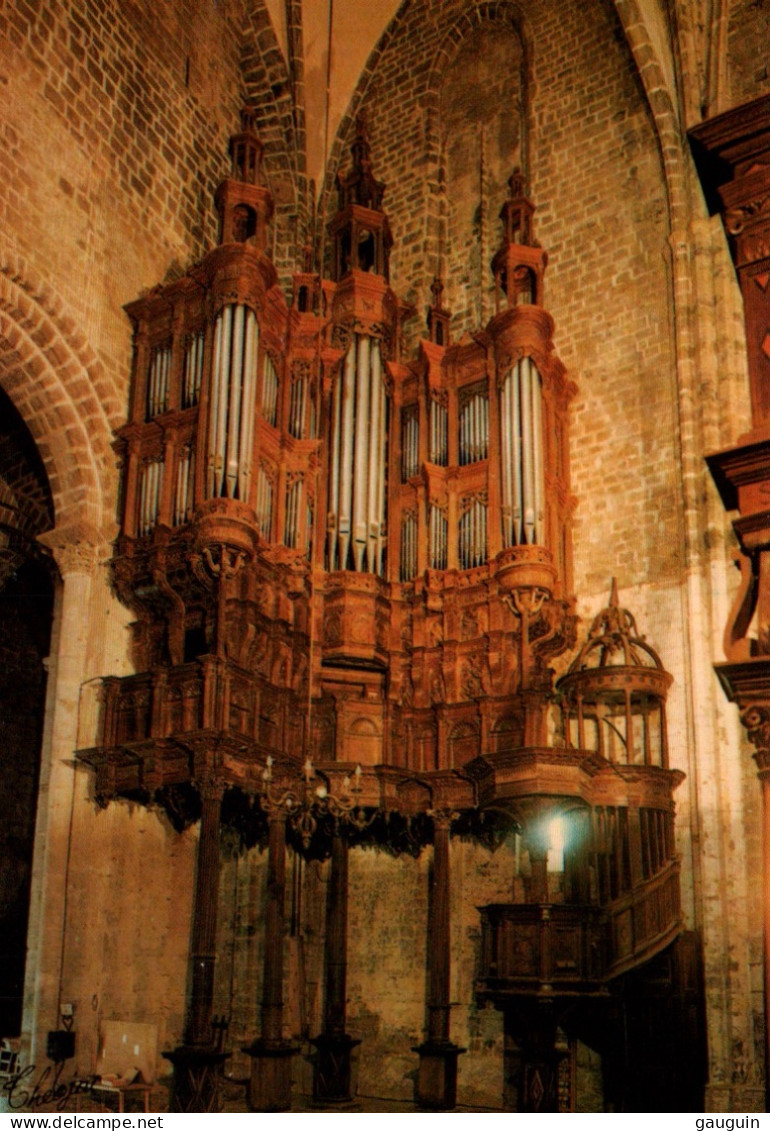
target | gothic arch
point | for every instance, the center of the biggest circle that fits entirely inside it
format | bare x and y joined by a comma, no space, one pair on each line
664,111
275,90
63,395
504,15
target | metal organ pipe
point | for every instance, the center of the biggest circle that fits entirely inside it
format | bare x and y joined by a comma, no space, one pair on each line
364,433
220,439
523,475
438,433
234,407
410,438
246,438
507,458
334,501
408,547
269,391
216,370
348,393
528,455
193,370
537,450
293,504
182,485
233,393
377,450
357,464
264,503
473,535
297,407
150,494
474,429
438,538
158,382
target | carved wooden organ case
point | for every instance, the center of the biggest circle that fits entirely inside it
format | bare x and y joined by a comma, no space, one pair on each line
339,552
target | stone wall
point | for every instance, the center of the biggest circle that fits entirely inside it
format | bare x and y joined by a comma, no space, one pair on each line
748,53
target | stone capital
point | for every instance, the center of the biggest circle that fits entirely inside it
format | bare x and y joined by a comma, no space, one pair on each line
76,548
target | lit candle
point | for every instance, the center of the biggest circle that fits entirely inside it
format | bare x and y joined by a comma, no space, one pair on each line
309,771
321,791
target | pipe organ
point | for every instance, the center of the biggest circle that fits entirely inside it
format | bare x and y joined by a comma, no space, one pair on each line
342,553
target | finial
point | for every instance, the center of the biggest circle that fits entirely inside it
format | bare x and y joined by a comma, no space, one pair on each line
613,602
248,119
517,184
438,316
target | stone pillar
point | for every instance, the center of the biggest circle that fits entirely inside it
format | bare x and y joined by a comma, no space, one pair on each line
77,561
198,1062
331,1069
437,1075
270,1084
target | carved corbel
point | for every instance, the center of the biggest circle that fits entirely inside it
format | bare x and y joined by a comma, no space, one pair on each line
736,645
756,720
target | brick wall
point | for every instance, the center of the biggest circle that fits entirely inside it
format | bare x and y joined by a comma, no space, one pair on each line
114,130
748,50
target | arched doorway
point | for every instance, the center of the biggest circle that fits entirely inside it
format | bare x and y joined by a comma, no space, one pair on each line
26,610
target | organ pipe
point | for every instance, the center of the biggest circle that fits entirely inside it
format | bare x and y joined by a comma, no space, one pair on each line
358,457
233,391
382,463
291,521
269,391
362,449
185,478
150,490
193,370
297,407
438,538
376,469
473,535
521,450
264,503
334,501
234,406
438,433
408,548
158,380
474,429
410,437
246,437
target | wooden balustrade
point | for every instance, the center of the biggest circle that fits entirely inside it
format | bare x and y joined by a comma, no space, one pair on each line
536,948
208,693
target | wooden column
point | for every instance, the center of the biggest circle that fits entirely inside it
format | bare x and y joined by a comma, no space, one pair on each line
270,1084
204,932
331,1067
532,1029
198,1062
437,1075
